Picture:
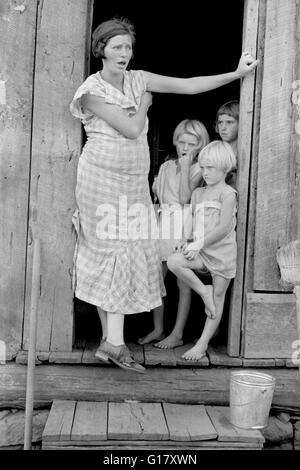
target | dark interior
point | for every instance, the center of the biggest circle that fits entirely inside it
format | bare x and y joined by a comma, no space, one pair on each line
205,38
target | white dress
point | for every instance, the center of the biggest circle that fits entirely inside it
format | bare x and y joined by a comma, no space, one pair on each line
171,214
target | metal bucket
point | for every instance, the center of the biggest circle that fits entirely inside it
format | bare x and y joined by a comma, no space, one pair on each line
251,395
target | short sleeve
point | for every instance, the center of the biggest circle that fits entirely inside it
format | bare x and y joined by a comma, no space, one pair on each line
90,86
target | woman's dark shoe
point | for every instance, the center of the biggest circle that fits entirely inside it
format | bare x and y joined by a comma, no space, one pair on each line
119,355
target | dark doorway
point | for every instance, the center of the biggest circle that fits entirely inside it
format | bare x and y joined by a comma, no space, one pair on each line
203,38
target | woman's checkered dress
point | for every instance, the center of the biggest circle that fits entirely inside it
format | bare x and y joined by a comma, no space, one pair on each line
117,273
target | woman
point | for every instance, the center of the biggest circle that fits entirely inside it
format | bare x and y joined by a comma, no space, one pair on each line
119,273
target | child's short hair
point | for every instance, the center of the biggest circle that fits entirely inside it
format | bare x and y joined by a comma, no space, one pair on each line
193,127
220,154
232,108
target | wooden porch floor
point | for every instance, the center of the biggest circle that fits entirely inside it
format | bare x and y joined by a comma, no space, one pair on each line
148,355
133,425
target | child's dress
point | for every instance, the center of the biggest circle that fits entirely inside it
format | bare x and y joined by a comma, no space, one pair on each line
171,214
220,257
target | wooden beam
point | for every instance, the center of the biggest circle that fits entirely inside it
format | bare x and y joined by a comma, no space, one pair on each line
56,145
251,9
17,44
79,382
249,260
276,161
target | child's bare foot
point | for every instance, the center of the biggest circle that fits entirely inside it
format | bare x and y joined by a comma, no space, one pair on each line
196,353
208,300
171,341
151,337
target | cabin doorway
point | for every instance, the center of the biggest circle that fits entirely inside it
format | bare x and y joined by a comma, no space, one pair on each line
177,42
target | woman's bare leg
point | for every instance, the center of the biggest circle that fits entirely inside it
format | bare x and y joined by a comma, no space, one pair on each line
184,303
220,286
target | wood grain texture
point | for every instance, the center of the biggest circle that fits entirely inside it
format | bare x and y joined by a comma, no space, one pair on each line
275,159
270,326
218,357
56,145
151,445
79,382
17,41
251,9
90,421
188,422
136,421
249,260
155,356
229,433
60,420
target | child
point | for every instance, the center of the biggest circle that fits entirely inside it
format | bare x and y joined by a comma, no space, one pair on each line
173,187
213,248
226,125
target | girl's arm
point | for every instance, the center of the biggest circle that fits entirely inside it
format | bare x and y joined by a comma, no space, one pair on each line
225,222
191,86
201,239
116,117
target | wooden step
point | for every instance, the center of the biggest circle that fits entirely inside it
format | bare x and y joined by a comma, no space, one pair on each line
136,425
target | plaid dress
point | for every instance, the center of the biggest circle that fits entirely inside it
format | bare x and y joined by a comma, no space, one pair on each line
116,262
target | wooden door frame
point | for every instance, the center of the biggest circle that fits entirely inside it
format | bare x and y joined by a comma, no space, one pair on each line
253,33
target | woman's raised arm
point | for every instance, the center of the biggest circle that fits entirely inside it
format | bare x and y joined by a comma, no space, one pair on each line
194,85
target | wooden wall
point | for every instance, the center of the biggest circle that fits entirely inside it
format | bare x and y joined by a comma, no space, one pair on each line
269,315
43,60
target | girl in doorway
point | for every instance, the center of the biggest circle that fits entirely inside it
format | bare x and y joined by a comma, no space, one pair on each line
172,188
213,248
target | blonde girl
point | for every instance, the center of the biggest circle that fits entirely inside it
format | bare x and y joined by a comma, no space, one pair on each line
213,246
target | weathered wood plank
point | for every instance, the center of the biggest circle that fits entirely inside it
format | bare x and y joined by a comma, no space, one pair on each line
136,421
90,421
187,385
229,433
218,357
88,356
66,357
259,362
155,356
151,445
249,259
279,362
188,422
17,40
56,144
204,362
60,420
270,325
251,9
275,192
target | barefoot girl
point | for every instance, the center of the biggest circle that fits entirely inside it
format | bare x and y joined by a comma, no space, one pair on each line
213,248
